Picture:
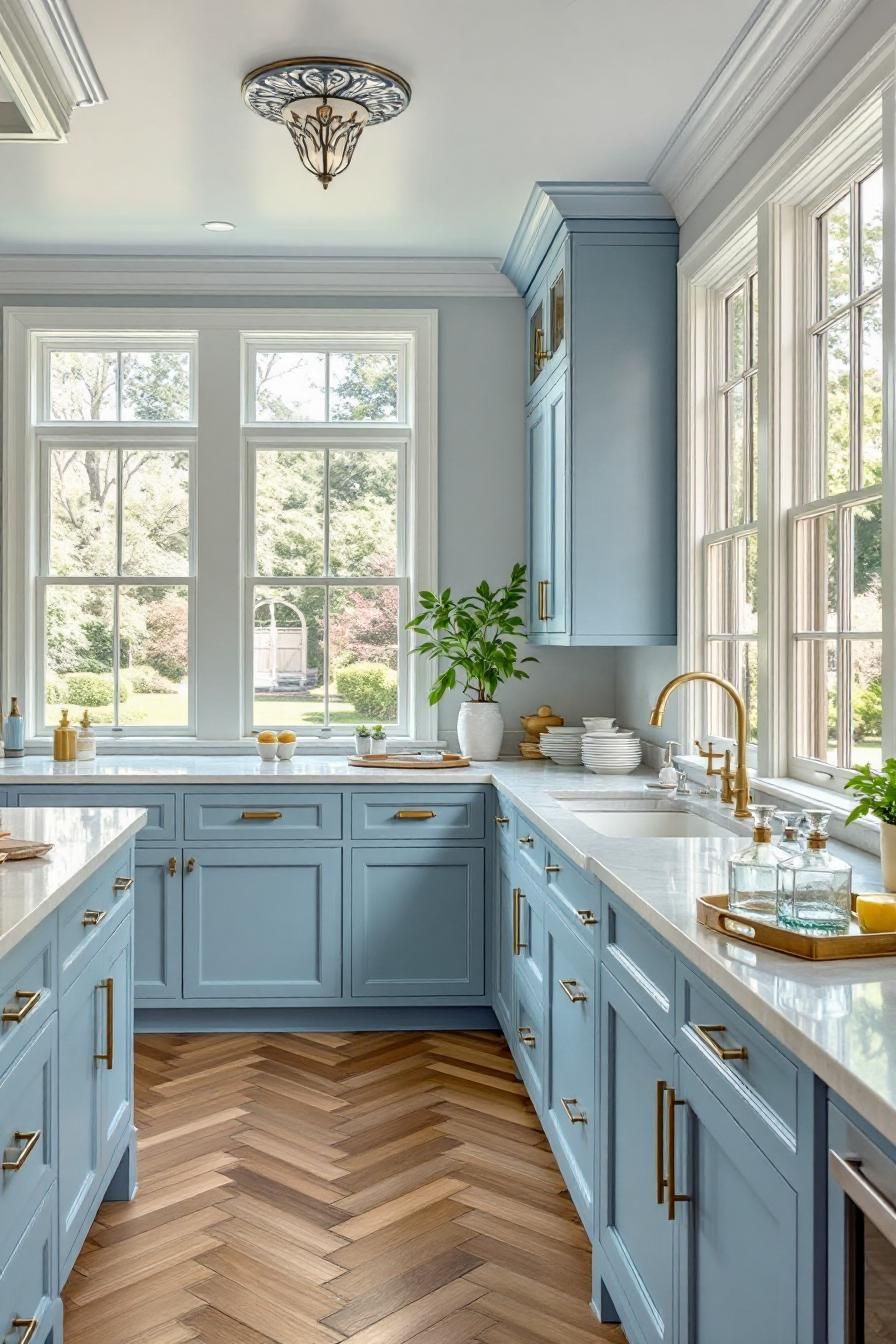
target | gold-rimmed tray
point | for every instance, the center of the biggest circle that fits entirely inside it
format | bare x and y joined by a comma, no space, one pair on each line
410,761
713,912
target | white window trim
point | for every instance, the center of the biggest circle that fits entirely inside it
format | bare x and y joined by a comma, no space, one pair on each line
856,126
217,630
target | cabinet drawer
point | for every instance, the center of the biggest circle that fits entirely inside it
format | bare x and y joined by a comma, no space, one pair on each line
409,815
527,1039
641,961
574,894
758,1083
528,940
505,818
27,1136
27,1282
161,810
27,992
570,1119
297,815
530,848
89,915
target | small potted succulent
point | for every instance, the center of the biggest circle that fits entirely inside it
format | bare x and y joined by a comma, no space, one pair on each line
362,740
877,798
378,740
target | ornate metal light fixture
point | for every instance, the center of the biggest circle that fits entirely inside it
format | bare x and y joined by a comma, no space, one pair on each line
325,102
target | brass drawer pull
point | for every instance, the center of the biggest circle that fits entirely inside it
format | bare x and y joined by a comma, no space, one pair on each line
413,814
527,839
122,884
573,991
108,987
31,1139
707,1035
91,918
27,1323
527,1036
271,815
672,1195
543,614
172,867
518,943
552,868
587,916
574,1117
30,998
660,1135
191,865
502,821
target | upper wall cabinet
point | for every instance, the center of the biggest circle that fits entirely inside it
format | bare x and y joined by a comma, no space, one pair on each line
596,265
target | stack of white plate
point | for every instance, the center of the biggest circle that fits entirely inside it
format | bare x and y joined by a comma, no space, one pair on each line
611,751
562,745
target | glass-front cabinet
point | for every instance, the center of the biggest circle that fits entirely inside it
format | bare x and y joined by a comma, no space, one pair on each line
546,307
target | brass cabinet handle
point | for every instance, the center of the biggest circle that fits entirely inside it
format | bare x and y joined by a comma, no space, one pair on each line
30,998
660,1136
552,867
573,991
91,918
574,1117
108,987
707,1036
413,814
543,613
502,821
266,815
672,1195
527,1036
518,899
586,916
542,355
122,884
191,865
527,839
27,1323
172,867
30,1138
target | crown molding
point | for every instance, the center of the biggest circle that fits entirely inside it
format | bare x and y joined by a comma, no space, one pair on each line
771,54
281,276
551,204
47,67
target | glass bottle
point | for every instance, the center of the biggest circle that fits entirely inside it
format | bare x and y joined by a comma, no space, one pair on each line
815,887
14,731
790,842
753,873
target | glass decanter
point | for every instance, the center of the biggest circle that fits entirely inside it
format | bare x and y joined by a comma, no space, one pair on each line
790,842
753,873
815,887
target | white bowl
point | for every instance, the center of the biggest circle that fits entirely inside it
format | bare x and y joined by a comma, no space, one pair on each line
266,750
598,721
285,751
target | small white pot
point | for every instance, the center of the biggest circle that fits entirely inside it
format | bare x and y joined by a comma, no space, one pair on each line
379,746
362,744
480,729
888,854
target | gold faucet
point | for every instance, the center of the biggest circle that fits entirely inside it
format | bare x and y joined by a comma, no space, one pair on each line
737,780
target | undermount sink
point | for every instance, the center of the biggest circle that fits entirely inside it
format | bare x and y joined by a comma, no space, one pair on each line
643,823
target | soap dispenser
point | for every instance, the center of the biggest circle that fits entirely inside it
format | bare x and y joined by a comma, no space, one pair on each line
815,888
668,776
753,873
85,747
14,731
65,738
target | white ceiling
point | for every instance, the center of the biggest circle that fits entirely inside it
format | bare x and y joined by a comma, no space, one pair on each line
505,92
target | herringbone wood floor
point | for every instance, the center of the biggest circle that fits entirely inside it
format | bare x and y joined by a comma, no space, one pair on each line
308,1189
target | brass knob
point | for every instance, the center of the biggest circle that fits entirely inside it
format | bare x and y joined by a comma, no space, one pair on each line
172,867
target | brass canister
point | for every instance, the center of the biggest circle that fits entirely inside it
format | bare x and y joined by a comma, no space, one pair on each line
65,740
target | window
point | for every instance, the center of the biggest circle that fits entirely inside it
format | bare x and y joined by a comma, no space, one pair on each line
219,523
730,547
837,555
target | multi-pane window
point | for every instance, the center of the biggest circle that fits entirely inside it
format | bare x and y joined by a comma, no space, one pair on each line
329,576
730,545
114,439
837,591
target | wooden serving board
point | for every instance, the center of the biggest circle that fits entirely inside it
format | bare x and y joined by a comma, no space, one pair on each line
410,761
22,849
714,913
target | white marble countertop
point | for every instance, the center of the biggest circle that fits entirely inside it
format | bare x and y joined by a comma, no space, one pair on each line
82,838
839,1018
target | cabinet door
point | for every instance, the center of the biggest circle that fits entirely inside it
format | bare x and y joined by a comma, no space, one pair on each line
636,1237
548,531
157,924
80,1017
116,1065
738,1258
504,939
262,923
418,923
537,320
570,1118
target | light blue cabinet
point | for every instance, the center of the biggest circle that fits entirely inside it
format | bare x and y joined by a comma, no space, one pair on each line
418,923
116,1062
158,931
28,1101
262,924
548,512
28,1281
503,939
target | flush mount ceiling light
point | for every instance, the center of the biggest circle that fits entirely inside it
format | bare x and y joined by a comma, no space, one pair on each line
325,102
219,226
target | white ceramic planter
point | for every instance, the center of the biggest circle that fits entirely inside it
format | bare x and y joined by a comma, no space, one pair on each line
480,730
888,854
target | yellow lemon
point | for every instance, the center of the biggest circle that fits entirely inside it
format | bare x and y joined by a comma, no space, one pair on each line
287,736
877,914
267,736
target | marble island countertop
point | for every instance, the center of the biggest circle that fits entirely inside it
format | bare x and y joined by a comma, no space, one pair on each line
82,840
839,1017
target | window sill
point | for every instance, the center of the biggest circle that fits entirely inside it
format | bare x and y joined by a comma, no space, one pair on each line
191,746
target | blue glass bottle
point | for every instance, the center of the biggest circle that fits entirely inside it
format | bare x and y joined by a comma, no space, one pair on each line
14,731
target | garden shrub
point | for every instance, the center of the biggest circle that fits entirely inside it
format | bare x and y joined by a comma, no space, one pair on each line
371,688
145,680
92,690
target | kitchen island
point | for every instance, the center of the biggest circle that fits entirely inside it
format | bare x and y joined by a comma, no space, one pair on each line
66,1049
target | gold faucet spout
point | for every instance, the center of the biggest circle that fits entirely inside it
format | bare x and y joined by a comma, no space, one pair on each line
740,791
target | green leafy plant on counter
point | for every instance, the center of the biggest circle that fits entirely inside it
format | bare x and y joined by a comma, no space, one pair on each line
876,791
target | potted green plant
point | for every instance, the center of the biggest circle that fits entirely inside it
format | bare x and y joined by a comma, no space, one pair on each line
362,740
877,798
475,638
378,740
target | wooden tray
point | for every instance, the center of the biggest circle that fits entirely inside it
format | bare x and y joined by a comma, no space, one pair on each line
410,761
713,912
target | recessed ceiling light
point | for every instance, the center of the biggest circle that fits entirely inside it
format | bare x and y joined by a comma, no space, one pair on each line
218,226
